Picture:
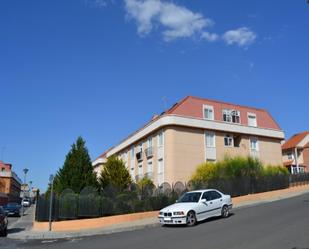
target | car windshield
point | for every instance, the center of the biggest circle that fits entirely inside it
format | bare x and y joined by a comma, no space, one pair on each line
190,197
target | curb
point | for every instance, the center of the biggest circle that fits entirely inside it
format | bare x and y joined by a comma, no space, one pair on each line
147,223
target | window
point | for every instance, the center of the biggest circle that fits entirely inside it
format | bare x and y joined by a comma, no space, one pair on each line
231,116
215,195
210,139
149,142
206,196
208,112
237,141
254,144
160,139
228,141
252,120
149,166
140,147
290,156
140,169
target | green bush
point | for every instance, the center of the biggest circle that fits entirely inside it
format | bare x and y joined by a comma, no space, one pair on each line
232,168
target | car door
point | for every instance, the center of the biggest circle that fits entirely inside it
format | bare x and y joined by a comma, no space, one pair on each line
204,206
216,202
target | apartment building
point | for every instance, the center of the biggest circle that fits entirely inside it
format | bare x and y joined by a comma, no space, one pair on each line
195,130
10,184
295,152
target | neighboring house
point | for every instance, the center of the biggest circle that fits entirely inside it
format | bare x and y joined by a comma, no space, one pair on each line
195,130
295,153
10,184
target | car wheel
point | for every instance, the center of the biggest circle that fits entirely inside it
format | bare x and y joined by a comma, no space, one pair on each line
225,211
191,218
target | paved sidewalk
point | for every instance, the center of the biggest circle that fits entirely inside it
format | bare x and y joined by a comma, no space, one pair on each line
23,227
24,223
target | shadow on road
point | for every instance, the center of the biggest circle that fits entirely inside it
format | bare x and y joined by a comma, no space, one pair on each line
200,222
15,230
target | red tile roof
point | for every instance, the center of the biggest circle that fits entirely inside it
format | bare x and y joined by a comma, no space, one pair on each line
295,140
193,107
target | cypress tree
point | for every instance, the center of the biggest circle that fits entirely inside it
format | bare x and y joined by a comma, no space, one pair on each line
77,171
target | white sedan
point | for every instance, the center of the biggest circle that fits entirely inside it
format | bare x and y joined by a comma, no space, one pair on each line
195,206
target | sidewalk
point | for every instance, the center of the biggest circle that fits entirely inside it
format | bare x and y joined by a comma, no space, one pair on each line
24,223
22,229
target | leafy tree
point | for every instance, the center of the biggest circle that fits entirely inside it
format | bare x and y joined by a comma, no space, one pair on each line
115,173
77,171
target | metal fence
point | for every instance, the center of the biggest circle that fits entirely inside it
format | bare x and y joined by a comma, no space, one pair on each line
110,201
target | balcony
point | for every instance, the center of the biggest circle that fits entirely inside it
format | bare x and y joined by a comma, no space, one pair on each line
149,152
139,156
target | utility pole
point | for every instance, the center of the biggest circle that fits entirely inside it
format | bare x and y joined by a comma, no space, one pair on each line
51,181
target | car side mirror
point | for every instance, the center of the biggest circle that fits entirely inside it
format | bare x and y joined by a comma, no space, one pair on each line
176,201
203,200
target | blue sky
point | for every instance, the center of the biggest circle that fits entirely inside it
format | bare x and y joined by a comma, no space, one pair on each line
100,69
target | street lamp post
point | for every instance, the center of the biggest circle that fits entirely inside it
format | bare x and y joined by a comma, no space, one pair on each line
25,174
30,191
51,180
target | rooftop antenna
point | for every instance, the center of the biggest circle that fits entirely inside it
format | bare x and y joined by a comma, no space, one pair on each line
164,100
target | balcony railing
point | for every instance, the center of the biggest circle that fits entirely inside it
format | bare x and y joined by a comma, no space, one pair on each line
149,152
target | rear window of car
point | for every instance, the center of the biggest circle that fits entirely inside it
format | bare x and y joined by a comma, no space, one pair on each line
215,195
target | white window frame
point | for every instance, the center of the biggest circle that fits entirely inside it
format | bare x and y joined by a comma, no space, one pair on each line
160,134
150,169
257,149
230,140
140,169
213,135
209,108
250,114
229,116
149,142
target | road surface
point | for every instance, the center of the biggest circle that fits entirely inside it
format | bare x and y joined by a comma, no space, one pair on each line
278,225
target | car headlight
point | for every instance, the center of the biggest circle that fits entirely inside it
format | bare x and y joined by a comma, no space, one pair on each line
178,213
160,213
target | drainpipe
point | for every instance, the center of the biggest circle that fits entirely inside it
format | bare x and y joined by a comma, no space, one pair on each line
296,159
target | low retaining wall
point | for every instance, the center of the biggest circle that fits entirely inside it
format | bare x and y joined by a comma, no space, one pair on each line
74,225
94,223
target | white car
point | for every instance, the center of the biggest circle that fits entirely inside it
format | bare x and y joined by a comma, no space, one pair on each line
195,206
26,202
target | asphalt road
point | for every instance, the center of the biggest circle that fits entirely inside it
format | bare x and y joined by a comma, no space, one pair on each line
278,225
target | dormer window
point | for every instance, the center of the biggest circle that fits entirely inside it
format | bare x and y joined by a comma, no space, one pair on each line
208,112
231,116
252,119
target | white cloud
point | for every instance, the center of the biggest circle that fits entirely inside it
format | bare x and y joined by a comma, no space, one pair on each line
243,37
175,21
209,36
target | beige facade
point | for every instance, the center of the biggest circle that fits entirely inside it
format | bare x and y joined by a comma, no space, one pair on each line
184,148
171,146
